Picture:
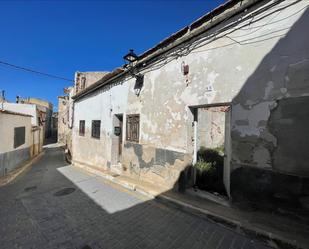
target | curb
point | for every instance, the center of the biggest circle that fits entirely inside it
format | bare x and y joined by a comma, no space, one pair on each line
17,172
268,238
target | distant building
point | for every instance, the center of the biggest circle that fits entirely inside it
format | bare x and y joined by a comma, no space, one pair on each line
65,112
45,109
85,79
55,124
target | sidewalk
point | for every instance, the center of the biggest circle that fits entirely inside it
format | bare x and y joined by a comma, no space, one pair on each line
281,232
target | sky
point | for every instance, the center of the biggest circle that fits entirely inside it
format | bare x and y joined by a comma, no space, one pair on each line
62,37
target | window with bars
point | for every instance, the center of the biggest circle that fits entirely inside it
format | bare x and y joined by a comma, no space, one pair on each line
95,128
132,130
19,136
82,127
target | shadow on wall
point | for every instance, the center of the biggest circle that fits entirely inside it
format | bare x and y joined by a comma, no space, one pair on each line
270,127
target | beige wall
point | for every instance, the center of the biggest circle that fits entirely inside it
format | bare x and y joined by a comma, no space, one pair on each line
8,123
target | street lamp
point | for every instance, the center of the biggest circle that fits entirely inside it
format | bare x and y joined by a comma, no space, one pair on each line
131,57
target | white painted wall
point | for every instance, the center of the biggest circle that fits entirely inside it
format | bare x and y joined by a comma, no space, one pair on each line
101,106
29,109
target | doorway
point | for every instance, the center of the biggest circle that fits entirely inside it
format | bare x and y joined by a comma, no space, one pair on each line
212,149
117,139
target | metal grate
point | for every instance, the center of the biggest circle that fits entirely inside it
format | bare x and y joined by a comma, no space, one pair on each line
19,136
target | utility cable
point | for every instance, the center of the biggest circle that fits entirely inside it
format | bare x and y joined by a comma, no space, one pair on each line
34,71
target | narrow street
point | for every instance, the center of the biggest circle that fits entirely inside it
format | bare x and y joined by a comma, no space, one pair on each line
55,205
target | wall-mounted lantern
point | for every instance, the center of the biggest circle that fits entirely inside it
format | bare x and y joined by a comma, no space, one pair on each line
139,82
130,58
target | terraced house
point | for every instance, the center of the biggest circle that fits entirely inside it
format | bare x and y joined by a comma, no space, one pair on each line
237,78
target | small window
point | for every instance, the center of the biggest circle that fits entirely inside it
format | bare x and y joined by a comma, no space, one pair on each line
83,83
133,128
82,127
19,136
96,126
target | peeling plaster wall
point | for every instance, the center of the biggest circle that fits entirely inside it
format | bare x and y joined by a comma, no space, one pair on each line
211,127
62,118
270,129
243,65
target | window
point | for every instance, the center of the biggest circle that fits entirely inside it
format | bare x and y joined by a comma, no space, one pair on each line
133,128
82,127
83,83
95,129
19,136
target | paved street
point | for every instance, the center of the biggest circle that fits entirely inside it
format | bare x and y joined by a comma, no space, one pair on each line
57,206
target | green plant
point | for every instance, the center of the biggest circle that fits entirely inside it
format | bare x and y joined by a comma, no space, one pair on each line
205,167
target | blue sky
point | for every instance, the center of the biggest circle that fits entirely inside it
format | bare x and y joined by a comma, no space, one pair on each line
61,37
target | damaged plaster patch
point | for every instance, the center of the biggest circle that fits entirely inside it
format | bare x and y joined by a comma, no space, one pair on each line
211,77
262,157
268,89
255,115
238,68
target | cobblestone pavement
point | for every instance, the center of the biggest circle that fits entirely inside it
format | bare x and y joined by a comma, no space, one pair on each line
35,212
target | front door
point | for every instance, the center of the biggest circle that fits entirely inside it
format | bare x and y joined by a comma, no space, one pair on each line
120,137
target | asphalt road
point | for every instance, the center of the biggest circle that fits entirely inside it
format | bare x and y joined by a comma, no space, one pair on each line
55,205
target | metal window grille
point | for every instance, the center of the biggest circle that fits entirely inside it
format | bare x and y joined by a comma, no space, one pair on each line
132,130
96,126
19,136
82,127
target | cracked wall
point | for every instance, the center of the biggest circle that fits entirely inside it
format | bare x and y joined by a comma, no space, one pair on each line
270,132
253,64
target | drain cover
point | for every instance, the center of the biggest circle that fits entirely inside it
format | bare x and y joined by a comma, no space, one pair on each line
30,188
65,191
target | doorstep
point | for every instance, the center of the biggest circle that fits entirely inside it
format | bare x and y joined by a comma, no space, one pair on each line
275,230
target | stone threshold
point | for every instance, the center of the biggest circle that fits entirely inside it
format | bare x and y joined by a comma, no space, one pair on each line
272,229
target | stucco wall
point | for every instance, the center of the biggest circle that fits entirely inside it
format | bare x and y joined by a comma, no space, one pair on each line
29,109
99,106
63,121
11,157
251,64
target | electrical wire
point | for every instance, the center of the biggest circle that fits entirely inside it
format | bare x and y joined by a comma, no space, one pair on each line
189,48
34,71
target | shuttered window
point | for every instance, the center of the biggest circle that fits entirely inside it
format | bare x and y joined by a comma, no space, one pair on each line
133,128
95,129
19,136
82,127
